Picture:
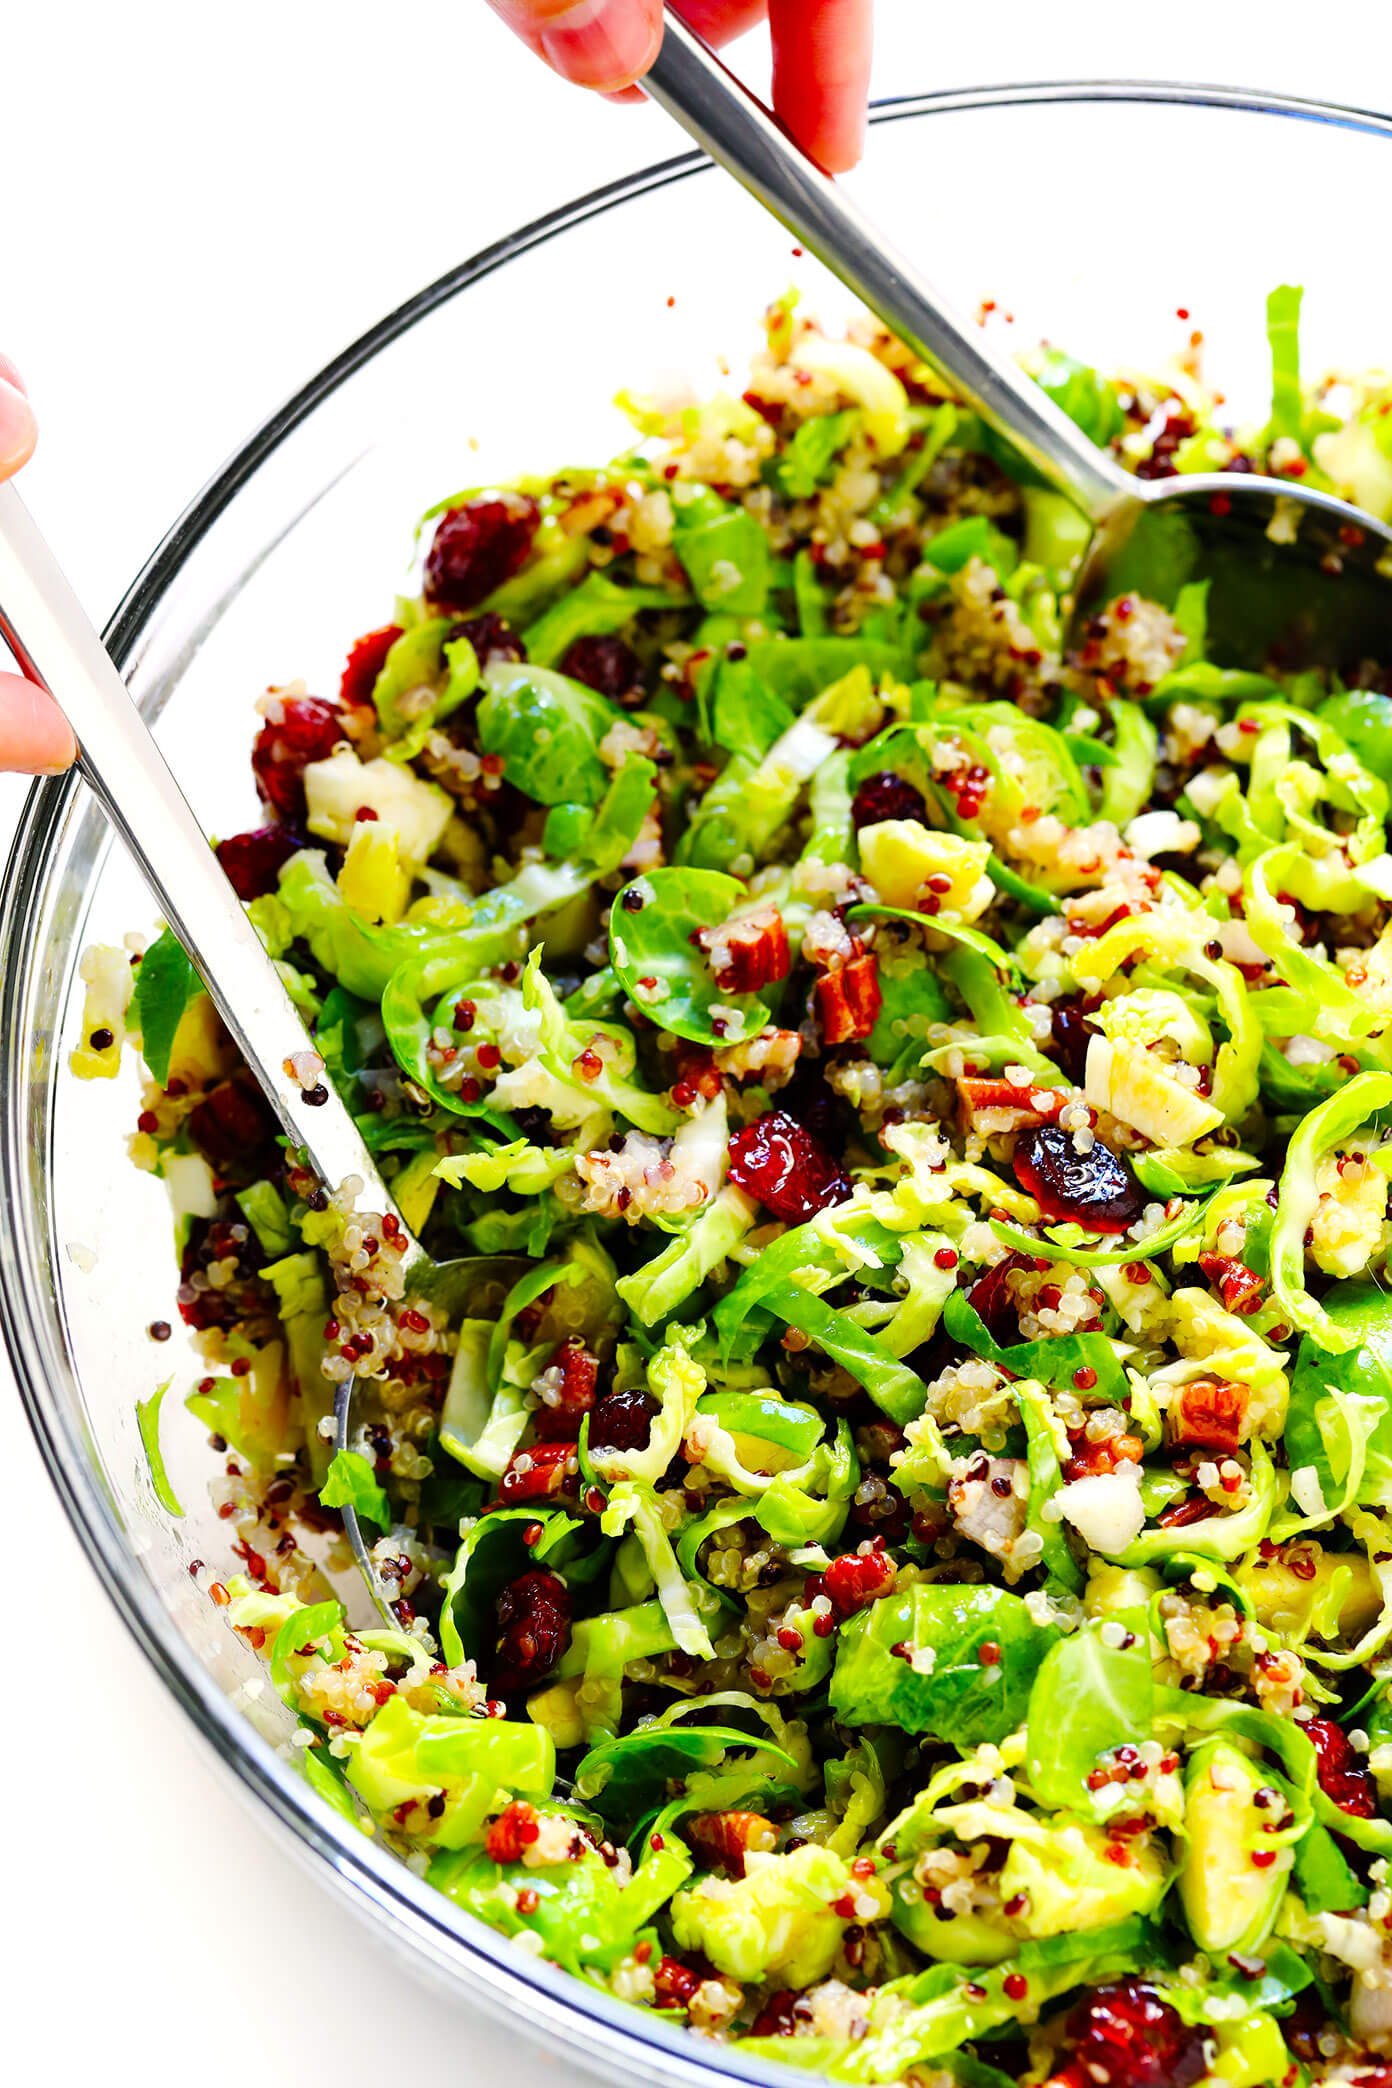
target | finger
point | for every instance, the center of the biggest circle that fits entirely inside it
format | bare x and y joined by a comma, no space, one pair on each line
821,75
17,429
720,20
606,44
35,738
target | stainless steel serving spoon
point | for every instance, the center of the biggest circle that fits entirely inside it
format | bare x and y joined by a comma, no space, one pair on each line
1323,598
53,641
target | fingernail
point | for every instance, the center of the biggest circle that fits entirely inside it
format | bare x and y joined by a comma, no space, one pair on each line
604,44
16,428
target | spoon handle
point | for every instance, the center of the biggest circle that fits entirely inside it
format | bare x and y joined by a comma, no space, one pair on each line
741,135
49,634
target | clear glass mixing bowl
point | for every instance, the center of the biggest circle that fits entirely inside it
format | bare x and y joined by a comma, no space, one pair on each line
1110,219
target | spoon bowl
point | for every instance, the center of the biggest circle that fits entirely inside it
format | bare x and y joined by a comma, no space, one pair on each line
1296,578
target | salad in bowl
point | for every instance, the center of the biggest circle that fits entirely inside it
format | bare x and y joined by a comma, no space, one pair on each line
893,1568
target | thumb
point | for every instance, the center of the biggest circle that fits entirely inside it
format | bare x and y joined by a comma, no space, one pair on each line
605,44
35,737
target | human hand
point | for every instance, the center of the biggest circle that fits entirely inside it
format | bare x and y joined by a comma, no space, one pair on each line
35,737
821,54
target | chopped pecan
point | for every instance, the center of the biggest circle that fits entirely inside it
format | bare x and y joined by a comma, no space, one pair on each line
748,952
849,1000
1240,1288
724,1839
1018,1108
1209,1413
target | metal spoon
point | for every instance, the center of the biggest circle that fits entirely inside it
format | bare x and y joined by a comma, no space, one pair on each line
49,634
1323,598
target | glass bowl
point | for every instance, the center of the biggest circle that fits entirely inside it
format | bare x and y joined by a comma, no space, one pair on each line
1113,220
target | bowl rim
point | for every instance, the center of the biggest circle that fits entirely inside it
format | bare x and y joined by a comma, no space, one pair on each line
560,2009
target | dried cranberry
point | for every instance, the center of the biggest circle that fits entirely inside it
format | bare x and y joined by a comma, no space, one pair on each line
308,730
781,1164
1177,428
609,665
1342,1777
478,546
539,1473
1096,1189
808,1098
491,636
673,1983
776,2017
991,1299
232,1123
1128,2036
623,1420
514,1830
887,796
534,1629
241,1297
579,1373
1070,1037
857,1579
885,1513
252,861
366,659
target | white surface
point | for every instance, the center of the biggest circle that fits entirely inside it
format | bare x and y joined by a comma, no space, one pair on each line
264,183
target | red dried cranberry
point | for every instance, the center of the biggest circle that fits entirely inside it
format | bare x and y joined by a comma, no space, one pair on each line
990,1297
579,1372
366,660
202,1304
514,1830
1342,1776
776,2017
1128,2036
887,796
232,1123
1096,1189
538,1473
808,1098
491,636
857,1579
777,1161
478,546
534,1629
1070,1037
609,665
623,1420
673,1983
887,1514
252,861
308,730
1178,427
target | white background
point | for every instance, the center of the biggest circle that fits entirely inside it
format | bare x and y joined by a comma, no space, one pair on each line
198,207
